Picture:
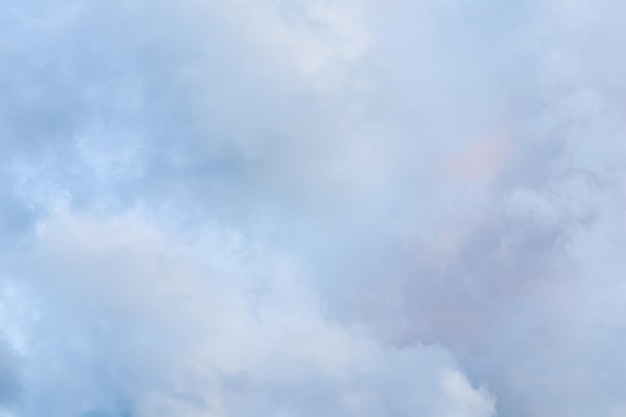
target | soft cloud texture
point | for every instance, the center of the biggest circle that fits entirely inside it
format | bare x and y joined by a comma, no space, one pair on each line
135,323
285,207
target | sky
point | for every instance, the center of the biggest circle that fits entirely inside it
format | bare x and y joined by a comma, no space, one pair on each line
227,208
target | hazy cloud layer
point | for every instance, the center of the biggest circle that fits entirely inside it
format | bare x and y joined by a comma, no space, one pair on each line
221,208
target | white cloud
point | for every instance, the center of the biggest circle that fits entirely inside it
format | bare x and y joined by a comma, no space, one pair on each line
317,39
128,317
439,172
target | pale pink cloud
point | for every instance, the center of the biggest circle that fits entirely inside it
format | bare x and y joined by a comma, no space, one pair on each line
482,159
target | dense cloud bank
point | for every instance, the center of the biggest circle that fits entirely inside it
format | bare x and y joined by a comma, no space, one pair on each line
347,208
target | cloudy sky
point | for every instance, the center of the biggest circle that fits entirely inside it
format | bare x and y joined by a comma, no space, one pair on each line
228,208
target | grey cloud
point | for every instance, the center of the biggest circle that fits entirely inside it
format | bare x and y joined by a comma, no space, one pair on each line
10,384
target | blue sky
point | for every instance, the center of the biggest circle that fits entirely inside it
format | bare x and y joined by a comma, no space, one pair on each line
300,208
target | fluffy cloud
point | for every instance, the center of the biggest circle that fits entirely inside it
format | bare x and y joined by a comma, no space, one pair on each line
218,207
121,319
